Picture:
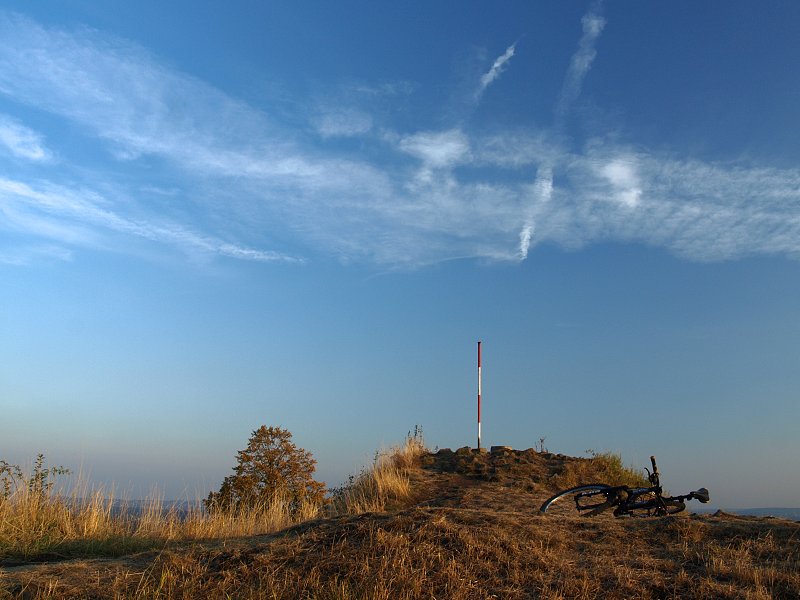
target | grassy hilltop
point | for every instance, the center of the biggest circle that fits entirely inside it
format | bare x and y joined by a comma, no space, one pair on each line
447,525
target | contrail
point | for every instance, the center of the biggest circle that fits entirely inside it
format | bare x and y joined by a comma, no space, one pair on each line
496,70
593,24
581,61
542,192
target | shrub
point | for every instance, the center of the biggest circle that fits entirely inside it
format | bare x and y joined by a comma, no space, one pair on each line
601,467
271,467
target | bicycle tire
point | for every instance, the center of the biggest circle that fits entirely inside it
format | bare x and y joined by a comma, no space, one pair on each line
649,508
570,494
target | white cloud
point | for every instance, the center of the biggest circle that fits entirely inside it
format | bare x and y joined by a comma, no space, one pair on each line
697,210
22,141
496,70
22,256
621,174
343,123
118,92
581,62
81,217
542,193
242,173
437,148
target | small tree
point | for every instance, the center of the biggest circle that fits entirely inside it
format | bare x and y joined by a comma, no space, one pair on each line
270,466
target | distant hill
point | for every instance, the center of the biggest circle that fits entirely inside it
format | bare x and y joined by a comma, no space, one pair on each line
792,514
781,513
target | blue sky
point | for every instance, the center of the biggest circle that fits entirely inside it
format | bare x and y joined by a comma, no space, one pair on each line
299,214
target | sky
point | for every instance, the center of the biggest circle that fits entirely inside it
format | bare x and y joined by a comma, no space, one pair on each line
217,216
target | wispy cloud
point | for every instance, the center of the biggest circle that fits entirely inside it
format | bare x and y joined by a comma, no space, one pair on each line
579,65
621,173
80,217
697,210
120,93
22,141
238,179
542,193
437,148
593,24
342,122
495,71
28,254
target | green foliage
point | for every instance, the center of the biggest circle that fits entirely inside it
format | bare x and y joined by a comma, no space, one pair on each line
270,468
37,484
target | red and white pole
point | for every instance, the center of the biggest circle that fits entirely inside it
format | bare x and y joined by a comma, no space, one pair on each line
479,395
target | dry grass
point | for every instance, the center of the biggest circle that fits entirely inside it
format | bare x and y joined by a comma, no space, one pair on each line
39,521
36,525
385,484
489,543
463,554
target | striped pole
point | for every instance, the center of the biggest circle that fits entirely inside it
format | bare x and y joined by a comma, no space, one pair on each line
479,395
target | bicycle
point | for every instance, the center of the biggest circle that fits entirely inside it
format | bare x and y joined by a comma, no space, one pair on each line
595,498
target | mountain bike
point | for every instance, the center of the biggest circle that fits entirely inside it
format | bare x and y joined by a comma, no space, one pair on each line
595,498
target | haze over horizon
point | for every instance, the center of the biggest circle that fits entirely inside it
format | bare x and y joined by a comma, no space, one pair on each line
306,215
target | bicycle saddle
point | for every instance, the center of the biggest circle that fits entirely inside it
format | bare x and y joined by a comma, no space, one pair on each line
701,494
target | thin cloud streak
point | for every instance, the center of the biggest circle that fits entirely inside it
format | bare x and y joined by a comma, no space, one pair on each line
593,24
580,63
542,193
496,70
30,254
73,217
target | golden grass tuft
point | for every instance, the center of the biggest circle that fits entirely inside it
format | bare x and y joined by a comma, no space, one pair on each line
385,484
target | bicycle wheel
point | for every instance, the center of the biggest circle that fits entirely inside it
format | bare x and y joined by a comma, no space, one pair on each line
674,506
650,508
577,500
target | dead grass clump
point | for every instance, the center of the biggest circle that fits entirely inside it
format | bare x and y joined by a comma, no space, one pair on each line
600,467
386,484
